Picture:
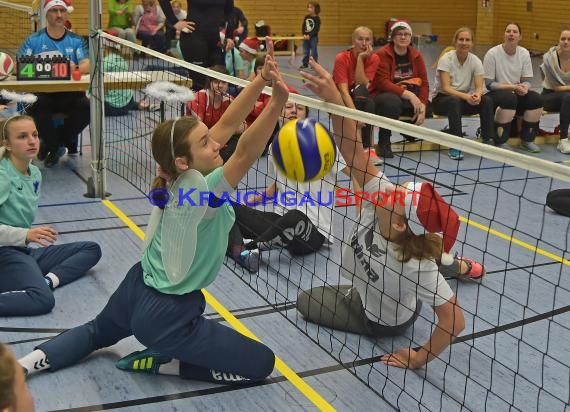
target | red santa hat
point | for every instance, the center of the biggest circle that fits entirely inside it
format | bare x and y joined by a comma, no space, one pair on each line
428,211
250,45
66,4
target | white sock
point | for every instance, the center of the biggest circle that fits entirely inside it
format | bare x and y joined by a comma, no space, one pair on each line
35,361
171,368
54,279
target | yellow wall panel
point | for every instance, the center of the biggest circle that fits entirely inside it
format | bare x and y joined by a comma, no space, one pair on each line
341,17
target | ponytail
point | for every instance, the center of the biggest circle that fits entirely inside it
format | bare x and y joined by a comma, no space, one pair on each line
159,198
424,246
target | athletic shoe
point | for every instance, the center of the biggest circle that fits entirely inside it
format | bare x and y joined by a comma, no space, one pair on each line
53,158
455,154
385,151
564,146
475,271
530,147
147,361
249,259
373,157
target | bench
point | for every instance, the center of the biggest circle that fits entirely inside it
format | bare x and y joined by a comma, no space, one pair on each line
404,146
290,44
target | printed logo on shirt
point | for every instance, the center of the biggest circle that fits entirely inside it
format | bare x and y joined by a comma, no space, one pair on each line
309,25
363,252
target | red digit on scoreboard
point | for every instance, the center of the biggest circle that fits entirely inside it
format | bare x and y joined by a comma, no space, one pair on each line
60,70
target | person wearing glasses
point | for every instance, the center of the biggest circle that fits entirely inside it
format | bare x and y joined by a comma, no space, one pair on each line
400,84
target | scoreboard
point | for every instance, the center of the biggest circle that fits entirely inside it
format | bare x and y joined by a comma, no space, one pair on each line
43,68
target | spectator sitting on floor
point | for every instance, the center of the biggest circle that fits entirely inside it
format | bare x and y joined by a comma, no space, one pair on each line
118,102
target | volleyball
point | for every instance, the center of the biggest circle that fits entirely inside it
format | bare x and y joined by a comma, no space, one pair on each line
6,65
304,150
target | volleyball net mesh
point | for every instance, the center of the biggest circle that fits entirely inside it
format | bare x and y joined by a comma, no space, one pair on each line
513,352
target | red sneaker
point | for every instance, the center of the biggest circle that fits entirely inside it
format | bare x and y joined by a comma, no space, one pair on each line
475,271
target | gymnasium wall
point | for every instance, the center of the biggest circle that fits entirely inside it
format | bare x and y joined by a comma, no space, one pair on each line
339,18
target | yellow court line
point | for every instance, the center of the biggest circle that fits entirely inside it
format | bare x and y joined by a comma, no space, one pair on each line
281,366
516,241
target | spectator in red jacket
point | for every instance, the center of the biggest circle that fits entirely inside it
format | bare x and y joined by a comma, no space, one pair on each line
401,84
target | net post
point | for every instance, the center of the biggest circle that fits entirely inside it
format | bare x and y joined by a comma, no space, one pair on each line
96,184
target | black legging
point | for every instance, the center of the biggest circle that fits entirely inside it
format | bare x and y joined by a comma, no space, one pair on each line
393,106
294,230
202,49
558,102
559,201
508,100
454,107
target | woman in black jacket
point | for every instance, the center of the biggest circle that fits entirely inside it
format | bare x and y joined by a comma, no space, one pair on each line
200,40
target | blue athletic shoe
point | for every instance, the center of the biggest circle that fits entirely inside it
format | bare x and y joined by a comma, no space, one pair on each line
147,361
455,154
249,259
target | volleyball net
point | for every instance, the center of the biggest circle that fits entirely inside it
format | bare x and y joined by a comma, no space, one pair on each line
18,22
513,351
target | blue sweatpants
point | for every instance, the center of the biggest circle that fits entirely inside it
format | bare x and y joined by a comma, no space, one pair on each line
23,289
170,324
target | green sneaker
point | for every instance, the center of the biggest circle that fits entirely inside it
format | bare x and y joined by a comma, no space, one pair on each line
147,361
530,147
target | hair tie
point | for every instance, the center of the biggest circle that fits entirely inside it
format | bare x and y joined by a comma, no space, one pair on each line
163,174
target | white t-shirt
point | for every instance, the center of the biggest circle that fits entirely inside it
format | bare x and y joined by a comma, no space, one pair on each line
389,288
462,76
315,199
504,68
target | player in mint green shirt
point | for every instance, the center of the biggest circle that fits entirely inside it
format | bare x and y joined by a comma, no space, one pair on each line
160,300
28,275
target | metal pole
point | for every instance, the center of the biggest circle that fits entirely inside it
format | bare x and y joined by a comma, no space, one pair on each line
96,184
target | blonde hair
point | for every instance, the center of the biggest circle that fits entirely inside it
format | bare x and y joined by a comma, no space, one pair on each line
4,131
461,30
163,148
362,28
7,377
